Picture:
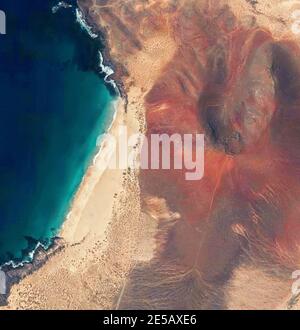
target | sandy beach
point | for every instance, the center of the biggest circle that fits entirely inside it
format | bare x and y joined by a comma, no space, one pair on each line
85,233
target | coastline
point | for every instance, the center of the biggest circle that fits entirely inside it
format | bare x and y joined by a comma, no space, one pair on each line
105,232
107,71
74,228
100,240
72,231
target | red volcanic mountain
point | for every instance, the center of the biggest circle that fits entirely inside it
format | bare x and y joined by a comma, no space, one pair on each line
239,87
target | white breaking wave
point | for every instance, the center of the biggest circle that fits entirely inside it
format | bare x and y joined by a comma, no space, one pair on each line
60,5
80,19
30,257
108,71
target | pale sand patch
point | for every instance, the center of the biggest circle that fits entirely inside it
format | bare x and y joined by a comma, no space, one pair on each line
273,15
94,196
252,288
146,68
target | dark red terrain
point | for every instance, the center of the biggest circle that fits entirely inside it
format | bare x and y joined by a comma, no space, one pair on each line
242,90
240,87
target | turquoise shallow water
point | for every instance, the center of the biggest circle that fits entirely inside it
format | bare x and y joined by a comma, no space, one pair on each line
54,104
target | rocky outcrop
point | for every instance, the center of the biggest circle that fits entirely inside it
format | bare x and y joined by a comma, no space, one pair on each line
14,275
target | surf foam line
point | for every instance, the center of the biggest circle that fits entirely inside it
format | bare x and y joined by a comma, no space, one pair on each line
60,5
83,23
108,71
105,69
29,259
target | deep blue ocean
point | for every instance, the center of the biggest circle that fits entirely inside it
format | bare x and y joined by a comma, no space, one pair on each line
54,104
